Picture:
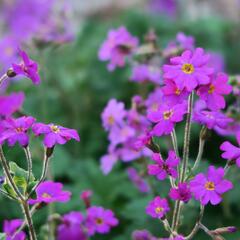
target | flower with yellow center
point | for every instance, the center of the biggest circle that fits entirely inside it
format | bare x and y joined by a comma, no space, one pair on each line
188,68
46,195
167,114
99,221
111,120
211,89
210,186
158,210
177,91
19,129
55,129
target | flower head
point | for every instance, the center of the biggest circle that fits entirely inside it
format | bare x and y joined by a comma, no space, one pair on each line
158,207
10,227
108,161
189,70
209,188
212,93
142,235
163,168
48,192
100,220
15,130
27,67
54,134
119,44
181,192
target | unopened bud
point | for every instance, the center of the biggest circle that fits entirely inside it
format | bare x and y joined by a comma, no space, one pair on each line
204,134
86,197
11,73
49,151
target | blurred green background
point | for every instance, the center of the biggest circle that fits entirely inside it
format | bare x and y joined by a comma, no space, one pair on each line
75,88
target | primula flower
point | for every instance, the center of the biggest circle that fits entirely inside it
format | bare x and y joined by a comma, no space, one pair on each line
209,188
230,151
11,103
15,130
54,134
185,42
189,70
212,93
165,117
137,180
181,192
142,235
113,114
100,220
108,161
119,44
145,73
71,227
10,227
48,192
157,208
27,67
163,168
154,100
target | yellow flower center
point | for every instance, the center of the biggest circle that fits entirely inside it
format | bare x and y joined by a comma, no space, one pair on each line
46,195
177,91
154,107
210,186
167,114
211,89
19,129
99,221
158,210
188,68
111,120
55,129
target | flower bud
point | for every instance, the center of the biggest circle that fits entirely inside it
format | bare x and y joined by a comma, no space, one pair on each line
49,151
86,197
11,73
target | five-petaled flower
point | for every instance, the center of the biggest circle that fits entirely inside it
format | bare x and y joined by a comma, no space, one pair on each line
54,134
209,188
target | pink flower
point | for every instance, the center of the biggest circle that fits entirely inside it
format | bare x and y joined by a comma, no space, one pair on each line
209,188
119,44
11,103
231,152
48,192
185,42
100,220
10,227
189,70
212,93
165,117
86,197
27,67
157,208
142,235
16,130
108,161
113,114
181,192
54,134
163,168
154,100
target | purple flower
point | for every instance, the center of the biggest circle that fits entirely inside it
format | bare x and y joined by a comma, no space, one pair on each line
154,100
71,227
100,220
108,161
144,73
189,70
113,114
11,103
27,67
157,208
163,168
185,42
10,227
137,180
165,117
15,130
119,44
230,151
212,93
142,235
48,192
209,188
181,192
166,7
54,134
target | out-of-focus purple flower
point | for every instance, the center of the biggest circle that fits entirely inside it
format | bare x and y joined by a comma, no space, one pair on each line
15,130
154,100
48,192
143,140
181,192
11,103
209,188
163,168
113,114
165,117
71,227
157,208
185,42
100,220
231,152
142,235
179,237
86,197
145,73
54,134
212,93
137,180
27,67
189,70
166,7
216,61
108,161
10,227
118,45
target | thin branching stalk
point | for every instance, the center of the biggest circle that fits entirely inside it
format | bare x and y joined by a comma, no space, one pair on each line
175,142
29,162
7,195
3,78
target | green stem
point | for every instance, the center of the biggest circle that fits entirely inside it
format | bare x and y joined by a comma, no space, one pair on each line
174,141
29,162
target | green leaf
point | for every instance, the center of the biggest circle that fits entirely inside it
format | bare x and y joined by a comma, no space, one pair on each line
21,182
9,189
2,236
20,172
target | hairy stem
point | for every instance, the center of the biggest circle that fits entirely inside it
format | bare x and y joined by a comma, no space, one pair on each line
174,141
29,162
3,78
